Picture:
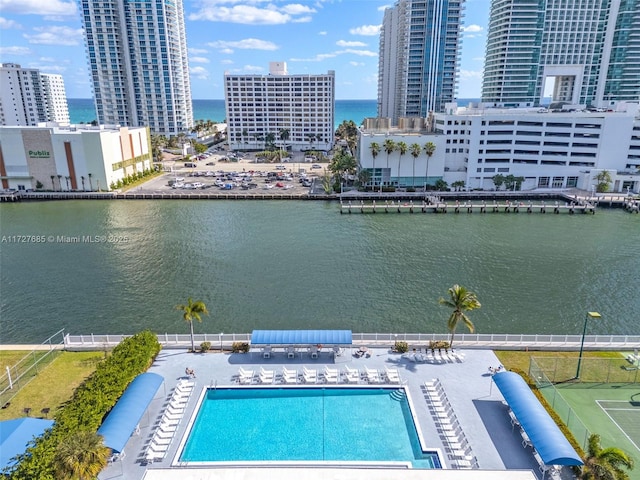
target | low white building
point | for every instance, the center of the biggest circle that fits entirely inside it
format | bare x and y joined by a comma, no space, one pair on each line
549,149
78,157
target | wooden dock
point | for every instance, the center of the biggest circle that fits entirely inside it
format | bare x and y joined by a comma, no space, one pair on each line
467,207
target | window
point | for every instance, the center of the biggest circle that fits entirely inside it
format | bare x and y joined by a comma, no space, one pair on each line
543,182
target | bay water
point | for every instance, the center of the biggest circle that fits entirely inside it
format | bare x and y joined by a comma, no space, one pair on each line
122,266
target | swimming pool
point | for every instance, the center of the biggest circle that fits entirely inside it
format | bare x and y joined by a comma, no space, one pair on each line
310,425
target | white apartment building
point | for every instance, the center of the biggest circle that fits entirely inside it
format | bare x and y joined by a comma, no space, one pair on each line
28,97
296,110
588,49
77,157
550,150
138,61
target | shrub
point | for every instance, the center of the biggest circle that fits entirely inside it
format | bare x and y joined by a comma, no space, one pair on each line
411,189
389,189
205,347
240,347
401,347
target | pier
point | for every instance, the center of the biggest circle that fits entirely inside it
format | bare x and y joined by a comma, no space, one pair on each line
467,207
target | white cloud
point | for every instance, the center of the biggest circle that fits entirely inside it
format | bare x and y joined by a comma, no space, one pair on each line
356,64
38,7
198,60
18,51
7,24
226,62
199,72
472,29
323,56
361,53
246,44
48,68
252,68
256,12
366,30
198,51
344,43
469,74
322,33
64,36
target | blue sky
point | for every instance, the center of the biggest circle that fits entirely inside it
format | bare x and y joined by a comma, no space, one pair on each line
240,36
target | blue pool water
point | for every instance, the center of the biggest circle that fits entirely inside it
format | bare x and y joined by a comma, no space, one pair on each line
305,424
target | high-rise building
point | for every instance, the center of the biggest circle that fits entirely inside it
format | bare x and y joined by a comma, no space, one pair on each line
28,97
581,51
137,53
419,57
297,110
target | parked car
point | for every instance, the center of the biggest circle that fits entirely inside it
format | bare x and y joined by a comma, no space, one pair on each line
280,167
211,163
190,165
198,184
316,166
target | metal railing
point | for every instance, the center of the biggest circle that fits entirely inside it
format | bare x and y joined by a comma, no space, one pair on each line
466,340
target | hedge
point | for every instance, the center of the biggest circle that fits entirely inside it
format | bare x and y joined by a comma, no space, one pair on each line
90,403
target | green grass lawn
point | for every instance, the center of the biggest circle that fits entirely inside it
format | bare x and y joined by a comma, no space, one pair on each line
520,359
53,386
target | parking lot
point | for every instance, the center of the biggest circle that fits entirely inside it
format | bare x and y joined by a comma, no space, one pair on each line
221,173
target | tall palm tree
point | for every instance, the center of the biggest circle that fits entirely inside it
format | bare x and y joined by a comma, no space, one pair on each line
82,178
67,178
402,149
429,149
192,311
82,456
416,149
605,463
460,300
389,146
59,182
375,150
90,175
53,183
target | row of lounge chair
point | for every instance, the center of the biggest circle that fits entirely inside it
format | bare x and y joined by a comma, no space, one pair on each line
451,433
171,416
325,375
435,356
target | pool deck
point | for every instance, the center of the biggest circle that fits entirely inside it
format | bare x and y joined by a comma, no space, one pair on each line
476,402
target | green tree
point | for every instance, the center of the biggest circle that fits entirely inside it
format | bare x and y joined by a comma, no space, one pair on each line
415,150
82,456
441,185
498,180
200,148
429,149
458,186
402,149
192,311
605,463
53,183
389,147
90,175
604,179
374,147
460,300
364,177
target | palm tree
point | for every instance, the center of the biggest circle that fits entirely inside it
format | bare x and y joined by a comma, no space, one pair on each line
67,178
389,146
53,183
605,463
81,456
402,149
82,178
416,149
192,311
460,300
375,150
604,179
429,149
59,182
90,175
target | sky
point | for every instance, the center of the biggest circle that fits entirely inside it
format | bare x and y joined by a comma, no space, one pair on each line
240,36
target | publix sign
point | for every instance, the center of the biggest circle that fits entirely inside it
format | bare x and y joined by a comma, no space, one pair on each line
39,154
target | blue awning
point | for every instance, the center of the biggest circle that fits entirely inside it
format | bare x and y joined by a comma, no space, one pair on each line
16,434
550,443
301,337
126,414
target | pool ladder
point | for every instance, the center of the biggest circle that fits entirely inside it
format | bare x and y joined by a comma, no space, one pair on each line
398,394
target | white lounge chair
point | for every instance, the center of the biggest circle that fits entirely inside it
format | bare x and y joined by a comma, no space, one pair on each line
154,447
331,375
352,375
372,375
392,375
289,376
174,410
309,376
245,376
162,434
266,376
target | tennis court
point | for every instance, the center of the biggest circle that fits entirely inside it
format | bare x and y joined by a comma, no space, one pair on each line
625,415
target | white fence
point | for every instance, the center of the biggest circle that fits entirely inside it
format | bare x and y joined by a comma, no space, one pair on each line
466,340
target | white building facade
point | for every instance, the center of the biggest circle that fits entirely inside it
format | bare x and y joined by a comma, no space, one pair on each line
297,110
419,57
137,55
28,97
74,158
550,150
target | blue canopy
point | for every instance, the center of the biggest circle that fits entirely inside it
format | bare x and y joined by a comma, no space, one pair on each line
126,414
15,434
550,443
301,337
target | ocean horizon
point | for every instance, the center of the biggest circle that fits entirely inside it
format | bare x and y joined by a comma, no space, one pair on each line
82,110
